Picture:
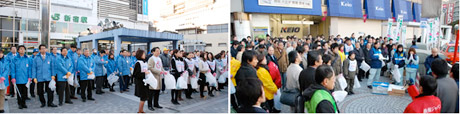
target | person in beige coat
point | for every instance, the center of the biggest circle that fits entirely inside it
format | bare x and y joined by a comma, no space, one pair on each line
280,54
156,68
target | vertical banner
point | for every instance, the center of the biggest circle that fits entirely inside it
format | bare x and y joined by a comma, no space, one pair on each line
424,26
398,28
430,31
403,35
390,24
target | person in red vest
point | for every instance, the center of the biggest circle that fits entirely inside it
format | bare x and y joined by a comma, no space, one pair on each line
425,102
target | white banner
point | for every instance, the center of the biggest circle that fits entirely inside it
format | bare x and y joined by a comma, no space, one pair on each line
308,4
399,27
390,24
403,35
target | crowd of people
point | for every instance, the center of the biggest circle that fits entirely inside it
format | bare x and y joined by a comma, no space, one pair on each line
74,71
304,72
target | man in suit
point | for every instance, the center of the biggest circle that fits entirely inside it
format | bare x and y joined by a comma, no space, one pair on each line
270,55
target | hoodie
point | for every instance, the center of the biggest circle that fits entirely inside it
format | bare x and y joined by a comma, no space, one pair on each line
323,106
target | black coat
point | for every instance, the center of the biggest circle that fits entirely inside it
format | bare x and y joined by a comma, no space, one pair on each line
360,56
246,71
307,78
250,110
274,59
141,89
367,58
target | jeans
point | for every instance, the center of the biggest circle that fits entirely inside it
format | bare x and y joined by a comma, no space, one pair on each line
401,78
123,82
411,73
283,79
373,72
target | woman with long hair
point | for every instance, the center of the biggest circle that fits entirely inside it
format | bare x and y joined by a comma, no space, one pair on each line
203,67
178,67
191,73
411,64
212,67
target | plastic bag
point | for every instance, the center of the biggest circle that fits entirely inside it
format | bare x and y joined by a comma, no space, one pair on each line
104,70
28,83
52,85
112,78
91,76
396,74
211,79
70,79
356,84
339,96
194,82
75,82
170,81
2,86
365,67
131,70
150,80
276,100
182,81
342,82
223,77
232,88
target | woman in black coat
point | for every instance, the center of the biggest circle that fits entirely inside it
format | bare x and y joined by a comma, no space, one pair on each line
140,69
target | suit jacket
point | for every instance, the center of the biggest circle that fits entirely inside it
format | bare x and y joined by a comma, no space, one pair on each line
282,59
274,59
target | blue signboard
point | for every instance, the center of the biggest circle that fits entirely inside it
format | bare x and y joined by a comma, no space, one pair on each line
417,12
253,6
344,8
145,7
402,7
377,9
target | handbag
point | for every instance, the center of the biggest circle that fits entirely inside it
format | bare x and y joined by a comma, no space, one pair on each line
288,96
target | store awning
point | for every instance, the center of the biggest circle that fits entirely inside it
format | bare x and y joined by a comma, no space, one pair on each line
344,8
377,9
132,35
402,7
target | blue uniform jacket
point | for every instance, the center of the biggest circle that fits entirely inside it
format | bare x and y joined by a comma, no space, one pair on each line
111,67
21,69
63,65
4,69
10,58
42,68
375,62
398,59
99,64
54,59
74,57
123,65
85,66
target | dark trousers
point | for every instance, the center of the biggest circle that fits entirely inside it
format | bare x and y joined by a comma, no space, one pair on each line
78,88
153,98
202,90
88,86
123,82
189,91
361,74
63,90
106,82
163,86
174,94
233,101
41,88
32,89
350,84
21,97
99,82
12,91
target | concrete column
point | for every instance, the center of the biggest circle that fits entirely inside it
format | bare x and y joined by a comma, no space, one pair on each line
242,25
78,43
149,47
95,43
117,45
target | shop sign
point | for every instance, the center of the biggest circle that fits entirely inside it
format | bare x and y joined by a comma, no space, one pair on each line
69,18
290,29
308,4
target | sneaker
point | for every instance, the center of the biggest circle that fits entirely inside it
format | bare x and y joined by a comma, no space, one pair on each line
370,87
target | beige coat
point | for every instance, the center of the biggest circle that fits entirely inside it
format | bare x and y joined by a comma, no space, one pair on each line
156,73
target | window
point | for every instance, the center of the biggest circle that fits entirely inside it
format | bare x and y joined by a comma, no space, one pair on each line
59,27
221,28
208,45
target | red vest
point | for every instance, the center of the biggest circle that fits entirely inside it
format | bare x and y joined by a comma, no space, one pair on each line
425,104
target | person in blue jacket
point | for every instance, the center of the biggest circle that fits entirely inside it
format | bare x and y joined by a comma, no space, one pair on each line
72,53
63,69
4,69
434,55
111,68
32,85
42,74
106,58
133,62
399,59
85,64
9,58
21,74
98,71
54,56
376,64
123,66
